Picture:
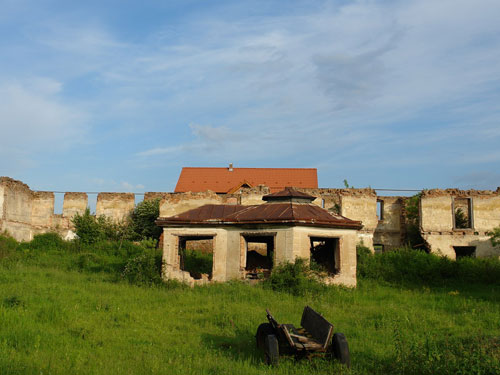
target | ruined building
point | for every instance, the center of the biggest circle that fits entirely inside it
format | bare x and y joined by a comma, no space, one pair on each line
287,223
451,222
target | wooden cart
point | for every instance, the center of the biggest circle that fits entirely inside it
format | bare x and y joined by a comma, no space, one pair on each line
314,337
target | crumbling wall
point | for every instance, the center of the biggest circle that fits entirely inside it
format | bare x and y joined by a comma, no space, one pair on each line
252,196
437,225
74,203
17,206
42,209
390,231
116,206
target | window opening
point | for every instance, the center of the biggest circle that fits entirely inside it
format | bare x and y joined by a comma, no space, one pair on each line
462,209
259,255
378,248
464,251
380,209
196,255
325,255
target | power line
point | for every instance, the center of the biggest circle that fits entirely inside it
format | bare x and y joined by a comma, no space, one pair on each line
84,192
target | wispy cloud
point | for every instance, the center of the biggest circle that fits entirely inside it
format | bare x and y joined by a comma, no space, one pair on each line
338,83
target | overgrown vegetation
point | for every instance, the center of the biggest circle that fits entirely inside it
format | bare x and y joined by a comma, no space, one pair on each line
296,278
409,266
413,236
140,225
197,262
142,220
495,237
72,307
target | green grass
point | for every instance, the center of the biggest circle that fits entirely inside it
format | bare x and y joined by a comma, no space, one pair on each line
58,317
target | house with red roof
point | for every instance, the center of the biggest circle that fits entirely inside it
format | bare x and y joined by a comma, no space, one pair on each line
229,180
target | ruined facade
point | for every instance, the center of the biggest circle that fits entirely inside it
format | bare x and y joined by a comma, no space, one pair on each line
287,224
456,223
24,213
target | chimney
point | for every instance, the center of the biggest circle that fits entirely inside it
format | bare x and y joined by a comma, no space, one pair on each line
230,167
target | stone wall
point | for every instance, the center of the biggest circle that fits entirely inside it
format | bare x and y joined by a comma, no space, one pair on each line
116,206
17,207
74,203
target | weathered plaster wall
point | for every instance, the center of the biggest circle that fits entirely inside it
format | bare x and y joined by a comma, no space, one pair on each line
42,209
17,206
171,257
116,206
436,221
175,203
74,203
347,251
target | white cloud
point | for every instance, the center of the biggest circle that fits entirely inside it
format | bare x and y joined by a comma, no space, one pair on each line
34,119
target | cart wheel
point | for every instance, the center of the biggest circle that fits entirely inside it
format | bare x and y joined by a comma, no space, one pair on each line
272,350
262,331
341,349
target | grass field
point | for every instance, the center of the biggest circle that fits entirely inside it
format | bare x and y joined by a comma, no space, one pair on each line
62,315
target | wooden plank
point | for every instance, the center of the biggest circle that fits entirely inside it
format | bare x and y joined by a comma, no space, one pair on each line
320,328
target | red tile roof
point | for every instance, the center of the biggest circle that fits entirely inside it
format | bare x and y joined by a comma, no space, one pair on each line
223,180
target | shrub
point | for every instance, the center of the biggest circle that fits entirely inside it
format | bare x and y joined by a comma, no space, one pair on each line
47,241
142,220
495,237
8,245
144,268
295,278
407,265
91,229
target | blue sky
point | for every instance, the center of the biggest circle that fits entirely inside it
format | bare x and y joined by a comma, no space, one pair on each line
120,95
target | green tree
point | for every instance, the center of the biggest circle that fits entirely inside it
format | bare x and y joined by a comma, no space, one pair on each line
142,220
91,229
412,208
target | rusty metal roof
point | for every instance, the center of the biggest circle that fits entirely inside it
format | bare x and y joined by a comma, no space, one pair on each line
276,213
288,193
223,180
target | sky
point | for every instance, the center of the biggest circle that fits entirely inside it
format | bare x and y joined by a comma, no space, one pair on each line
120,95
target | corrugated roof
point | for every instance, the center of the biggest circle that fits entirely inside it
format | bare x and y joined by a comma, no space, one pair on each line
275,213
288,193
223,180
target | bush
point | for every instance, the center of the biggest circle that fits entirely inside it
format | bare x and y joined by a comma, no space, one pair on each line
47,241
142,220
91,229
144,268
295,278
8,246
407,265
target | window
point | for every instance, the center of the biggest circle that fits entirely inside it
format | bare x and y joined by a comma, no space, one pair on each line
196,255
462,213
380,209
325,254
378,248
464,251
257,254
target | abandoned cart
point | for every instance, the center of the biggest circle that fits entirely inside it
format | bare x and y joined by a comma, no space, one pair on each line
315,337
